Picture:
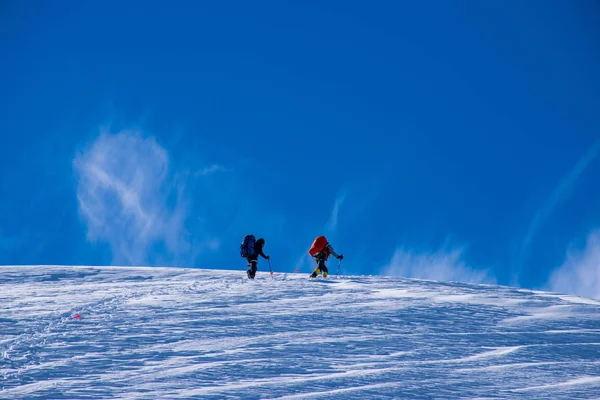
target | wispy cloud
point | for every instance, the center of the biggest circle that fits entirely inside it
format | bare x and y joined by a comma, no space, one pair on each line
211,170
445,264
129,198
580,273
333,219
559,194
303,261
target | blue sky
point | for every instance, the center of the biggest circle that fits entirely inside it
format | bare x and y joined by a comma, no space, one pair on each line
441,140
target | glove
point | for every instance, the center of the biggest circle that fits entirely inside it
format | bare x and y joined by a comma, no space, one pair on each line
268,257
341,257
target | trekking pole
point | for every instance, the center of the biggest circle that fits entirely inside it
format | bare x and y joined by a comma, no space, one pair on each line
338,271
269,260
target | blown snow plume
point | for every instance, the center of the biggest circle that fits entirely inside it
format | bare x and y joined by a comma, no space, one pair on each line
128,197
580,273
560,193
443,265
167,333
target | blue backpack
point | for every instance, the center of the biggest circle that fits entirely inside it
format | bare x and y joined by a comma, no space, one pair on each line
247,246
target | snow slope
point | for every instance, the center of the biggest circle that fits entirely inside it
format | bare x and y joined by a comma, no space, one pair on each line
166,333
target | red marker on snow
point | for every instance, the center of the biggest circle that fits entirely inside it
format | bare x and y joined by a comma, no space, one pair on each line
77,316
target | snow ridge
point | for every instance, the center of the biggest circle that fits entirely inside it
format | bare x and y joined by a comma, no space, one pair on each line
191,333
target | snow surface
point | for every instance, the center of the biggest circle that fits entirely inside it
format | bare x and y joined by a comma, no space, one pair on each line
166,333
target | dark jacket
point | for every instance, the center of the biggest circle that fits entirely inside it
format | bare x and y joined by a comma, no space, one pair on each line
324,254
258,250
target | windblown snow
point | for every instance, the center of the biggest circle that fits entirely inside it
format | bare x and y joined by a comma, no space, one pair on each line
167,333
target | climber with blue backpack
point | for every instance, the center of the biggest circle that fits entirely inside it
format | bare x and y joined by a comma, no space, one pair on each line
250,249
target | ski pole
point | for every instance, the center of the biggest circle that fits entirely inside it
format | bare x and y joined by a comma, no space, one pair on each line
338,271
269,260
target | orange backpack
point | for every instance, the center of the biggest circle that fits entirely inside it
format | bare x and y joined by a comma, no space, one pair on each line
318,245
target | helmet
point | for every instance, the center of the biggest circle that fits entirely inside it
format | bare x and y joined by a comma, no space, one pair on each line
261,241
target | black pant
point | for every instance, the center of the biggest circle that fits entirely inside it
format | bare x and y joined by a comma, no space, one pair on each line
320,259
321,265
252,265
